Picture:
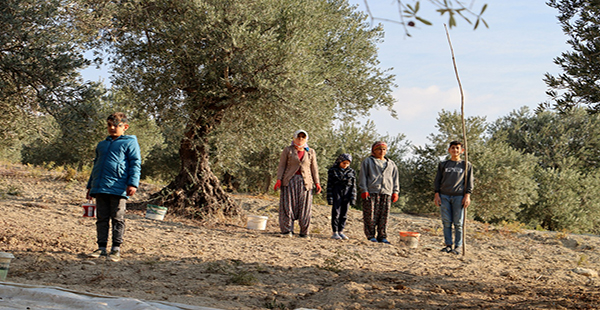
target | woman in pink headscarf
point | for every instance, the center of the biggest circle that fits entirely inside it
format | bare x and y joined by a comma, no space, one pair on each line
297,175
379,183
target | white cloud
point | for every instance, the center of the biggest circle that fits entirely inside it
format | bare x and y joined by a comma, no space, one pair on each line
418,103
418,109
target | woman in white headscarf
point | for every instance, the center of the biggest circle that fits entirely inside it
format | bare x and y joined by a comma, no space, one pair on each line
297,175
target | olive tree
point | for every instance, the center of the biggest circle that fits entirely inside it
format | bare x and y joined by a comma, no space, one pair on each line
422,167
287,63
505,182
558,140
568,200
41,55
577,85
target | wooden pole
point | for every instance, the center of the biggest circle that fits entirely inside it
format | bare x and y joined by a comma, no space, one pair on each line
464,129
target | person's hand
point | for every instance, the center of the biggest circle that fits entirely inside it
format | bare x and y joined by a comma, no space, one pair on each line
364,195
277,185
87,195
318,188
466,200
131,190
436,199
394,197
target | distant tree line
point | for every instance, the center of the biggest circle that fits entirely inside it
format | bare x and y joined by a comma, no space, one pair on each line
540,168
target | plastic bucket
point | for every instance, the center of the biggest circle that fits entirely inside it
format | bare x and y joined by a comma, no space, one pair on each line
257,222
5,259
155,212
410,238
89,209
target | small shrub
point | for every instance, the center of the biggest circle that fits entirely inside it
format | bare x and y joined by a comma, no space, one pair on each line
511,228
274,305
582,260
332,264
70,174
12,190
563,234
243,277
49,165
218,267
34,172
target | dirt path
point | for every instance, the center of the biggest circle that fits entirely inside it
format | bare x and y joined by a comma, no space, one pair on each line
230,267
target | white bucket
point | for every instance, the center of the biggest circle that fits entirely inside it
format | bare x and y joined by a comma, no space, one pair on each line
155,212
410,239
257,222
5,259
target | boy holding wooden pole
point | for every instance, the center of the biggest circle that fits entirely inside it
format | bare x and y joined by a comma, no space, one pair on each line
452,196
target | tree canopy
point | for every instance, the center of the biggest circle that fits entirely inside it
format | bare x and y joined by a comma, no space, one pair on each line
263,63
39,63
578,84
558,140
41,54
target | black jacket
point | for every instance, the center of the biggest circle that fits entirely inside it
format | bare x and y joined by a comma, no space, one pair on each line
342,182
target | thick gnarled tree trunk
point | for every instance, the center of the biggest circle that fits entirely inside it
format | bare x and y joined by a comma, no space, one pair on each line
196,192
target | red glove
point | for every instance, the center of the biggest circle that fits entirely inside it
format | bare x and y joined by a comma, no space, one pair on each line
277,185
394,197
364,195
318,187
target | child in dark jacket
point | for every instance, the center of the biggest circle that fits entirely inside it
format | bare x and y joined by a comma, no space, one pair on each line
341,193
115,176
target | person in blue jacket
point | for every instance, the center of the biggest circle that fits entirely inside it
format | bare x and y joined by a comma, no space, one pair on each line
115,176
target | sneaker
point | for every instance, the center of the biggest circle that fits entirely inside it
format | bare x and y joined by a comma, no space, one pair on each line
336,236
447,249
114,256
384,240
455,251
97,253
343,236
304,236
287,234
373,240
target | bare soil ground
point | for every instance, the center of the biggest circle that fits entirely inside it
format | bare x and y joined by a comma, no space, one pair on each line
225,265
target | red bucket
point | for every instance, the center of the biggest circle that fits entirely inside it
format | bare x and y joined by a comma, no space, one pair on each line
410,238
89,209
409,234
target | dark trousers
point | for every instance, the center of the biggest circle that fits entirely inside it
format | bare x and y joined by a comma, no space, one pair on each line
375,215
110,209
295,203
339,214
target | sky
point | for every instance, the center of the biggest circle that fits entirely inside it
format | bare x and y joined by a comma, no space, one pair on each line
501,67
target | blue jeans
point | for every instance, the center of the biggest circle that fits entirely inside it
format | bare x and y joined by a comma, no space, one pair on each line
452,213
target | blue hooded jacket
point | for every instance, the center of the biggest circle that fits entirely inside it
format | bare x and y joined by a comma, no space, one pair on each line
117,165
